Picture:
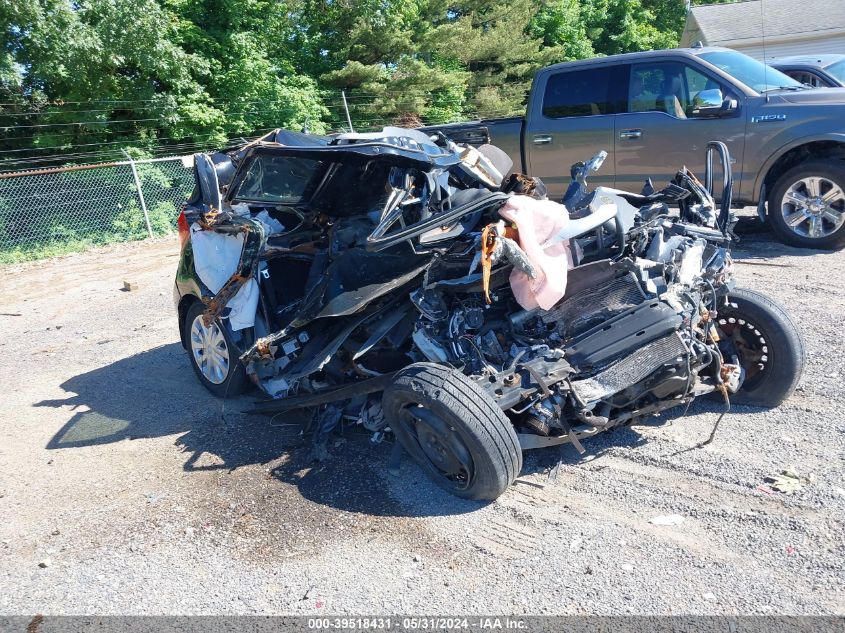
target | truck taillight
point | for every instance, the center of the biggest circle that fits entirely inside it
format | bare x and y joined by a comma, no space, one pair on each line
184,229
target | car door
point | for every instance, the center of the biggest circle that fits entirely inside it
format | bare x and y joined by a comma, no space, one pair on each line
571,119
662,130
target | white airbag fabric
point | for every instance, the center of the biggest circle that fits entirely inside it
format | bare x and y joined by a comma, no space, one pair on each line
537,222
271,225
216,258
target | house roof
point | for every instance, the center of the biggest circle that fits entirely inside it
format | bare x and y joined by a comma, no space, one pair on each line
746,20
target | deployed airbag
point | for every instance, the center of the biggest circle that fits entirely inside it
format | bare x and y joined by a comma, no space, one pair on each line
537,221
216,259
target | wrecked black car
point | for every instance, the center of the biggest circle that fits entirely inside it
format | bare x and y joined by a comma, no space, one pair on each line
418,287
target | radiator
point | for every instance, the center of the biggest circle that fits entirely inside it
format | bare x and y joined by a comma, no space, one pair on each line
631,369
581,311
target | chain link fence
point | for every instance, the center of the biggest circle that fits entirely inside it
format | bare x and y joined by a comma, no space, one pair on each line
53,211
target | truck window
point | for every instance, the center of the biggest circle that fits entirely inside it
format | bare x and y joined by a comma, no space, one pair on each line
696,82
658,87
577,93
666,87
837,69
751,72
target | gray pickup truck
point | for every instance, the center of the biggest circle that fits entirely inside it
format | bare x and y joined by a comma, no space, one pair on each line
655,111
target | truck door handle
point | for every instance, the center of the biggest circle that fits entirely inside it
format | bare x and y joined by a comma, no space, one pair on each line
630,134
543,139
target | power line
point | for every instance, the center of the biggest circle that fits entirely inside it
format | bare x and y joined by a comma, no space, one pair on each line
440,102
117,152
326,94
372,121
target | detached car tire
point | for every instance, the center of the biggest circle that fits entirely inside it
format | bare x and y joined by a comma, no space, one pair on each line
770,347
453,430
213,354
807,205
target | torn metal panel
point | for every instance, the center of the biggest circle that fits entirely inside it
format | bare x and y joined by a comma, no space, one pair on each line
315,358
497,244
381,238
355,279
385,325
231,249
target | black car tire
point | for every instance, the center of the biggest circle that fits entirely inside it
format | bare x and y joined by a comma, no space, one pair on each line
832,173
233,381
767,329
453,430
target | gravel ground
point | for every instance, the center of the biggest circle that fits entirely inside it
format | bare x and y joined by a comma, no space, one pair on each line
141,494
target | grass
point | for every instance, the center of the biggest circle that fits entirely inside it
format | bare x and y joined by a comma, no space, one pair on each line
46,250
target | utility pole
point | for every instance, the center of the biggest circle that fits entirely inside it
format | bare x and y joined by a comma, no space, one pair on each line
346,108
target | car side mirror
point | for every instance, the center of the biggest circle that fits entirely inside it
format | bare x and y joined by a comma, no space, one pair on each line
711,103
209,184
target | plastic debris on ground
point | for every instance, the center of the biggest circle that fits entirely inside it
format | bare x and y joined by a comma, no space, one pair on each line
788,481
668,519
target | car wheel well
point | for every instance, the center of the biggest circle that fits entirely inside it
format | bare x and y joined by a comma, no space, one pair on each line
185,304
797,155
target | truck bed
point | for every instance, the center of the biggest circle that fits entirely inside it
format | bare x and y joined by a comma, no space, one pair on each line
505,133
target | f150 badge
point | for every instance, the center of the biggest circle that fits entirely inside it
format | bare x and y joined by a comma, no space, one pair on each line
764,118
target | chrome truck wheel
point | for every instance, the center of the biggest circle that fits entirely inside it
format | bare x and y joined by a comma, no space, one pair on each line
814,207
807,207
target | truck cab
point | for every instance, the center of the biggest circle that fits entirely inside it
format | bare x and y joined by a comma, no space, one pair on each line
652,111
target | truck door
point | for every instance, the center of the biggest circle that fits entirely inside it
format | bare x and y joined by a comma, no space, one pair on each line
571,118
661,132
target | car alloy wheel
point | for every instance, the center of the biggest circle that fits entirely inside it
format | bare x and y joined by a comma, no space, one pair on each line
210,350
814,207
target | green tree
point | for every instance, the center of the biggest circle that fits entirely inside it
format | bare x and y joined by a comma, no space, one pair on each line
107,74
145,73
561,26
114,60
443,61
623,26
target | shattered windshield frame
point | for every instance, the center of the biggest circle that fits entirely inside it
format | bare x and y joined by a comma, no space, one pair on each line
273,178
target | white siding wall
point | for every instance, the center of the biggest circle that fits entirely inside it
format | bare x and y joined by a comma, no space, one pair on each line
832,43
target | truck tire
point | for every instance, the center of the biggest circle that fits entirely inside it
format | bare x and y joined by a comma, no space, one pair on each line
769,344
807,205
453,430
214,356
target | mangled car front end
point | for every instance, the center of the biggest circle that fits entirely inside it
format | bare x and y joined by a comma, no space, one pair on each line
404,282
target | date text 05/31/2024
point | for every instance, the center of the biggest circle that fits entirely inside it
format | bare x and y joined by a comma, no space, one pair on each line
491,623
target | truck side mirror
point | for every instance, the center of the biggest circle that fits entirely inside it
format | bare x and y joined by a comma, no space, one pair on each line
711,103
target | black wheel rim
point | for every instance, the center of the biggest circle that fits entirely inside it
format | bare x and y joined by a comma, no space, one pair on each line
751,344
437,446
